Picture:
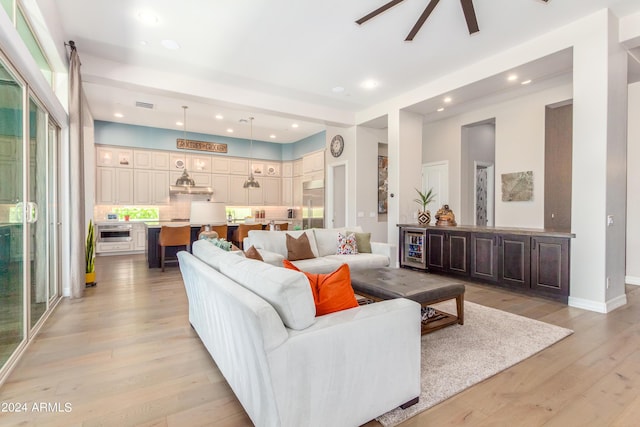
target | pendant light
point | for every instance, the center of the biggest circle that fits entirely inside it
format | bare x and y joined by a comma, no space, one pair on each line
251,181
185,180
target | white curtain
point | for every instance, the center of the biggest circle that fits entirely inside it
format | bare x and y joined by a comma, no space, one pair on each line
76,160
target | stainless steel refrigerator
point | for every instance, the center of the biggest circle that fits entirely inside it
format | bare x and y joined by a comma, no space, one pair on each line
313,204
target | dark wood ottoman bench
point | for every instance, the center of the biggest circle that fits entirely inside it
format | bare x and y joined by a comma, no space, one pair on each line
388,283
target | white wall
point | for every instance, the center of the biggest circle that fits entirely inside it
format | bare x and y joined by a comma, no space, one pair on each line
633,187
366,196
519,146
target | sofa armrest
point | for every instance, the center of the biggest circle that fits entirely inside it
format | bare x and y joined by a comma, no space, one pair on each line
359,362
385,249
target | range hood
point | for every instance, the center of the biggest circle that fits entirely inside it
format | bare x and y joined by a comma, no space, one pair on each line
186,185
190,189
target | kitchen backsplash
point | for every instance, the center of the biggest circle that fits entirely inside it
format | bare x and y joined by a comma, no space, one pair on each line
180,208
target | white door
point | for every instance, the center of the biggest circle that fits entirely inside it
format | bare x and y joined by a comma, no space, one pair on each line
338,185
436,176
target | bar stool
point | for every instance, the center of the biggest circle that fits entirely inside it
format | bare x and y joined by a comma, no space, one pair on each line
220,229
173,236
284,226
243,231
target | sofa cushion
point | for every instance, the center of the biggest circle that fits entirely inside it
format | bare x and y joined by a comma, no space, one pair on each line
331,292
318,265
212,255
347,244
275,241
326,240
287,291
298,248
363,241
253,253
361,261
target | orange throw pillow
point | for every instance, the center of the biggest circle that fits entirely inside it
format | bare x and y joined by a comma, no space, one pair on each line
331,292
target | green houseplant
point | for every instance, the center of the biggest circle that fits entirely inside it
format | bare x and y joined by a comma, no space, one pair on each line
424,216
90,250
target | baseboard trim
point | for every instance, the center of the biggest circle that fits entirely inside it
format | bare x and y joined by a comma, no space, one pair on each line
632,280
598,307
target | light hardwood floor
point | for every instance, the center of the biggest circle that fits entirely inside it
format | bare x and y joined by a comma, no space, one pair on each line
126,355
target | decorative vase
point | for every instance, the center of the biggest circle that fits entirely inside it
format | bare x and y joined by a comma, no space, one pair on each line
90,279
424,217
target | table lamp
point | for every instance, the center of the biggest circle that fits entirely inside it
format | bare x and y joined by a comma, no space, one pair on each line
208,214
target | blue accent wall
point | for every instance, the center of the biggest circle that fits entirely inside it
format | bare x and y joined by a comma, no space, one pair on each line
133,136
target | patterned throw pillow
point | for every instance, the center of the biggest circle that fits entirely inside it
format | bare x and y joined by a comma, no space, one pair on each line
347,244
220,243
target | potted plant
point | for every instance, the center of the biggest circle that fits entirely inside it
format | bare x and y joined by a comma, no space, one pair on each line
90,250
424,216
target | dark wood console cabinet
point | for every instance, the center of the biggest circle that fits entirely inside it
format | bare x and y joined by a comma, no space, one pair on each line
532,261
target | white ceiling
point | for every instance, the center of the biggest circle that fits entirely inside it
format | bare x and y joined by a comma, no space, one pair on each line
300,50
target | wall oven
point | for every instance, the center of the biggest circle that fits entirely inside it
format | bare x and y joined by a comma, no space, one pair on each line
110,233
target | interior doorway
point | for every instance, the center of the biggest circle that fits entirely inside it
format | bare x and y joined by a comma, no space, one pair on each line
337,212
477,174
484,200
435,175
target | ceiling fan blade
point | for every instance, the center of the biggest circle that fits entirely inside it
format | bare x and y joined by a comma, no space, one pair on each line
378,11
420,22
470,16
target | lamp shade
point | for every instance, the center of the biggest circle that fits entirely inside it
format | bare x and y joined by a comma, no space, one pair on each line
208,213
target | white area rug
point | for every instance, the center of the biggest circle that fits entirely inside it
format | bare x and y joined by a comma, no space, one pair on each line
459,356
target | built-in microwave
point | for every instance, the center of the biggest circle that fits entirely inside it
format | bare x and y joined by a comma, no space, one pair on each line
114,233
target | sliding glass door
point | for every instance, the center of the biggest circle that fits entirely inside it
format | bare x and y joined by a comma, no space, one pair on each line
29,248
12,289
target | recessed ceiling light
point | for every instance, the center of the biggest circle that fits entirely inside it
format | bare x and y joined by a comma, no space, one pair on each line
230,130
219,116
337,89
441,109
370,84
526,82
179,123
170,44
447,99
119,115
147,18
512,77
295,125
272,136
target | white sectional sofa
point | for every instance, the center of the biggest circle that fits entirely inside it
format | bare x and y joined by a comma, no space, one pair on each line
272,245
288,367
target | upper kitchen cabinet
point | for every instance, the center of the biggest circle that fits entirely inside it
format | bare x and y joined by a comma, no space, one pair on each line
238,166
114,186
313,162
177,161
155,160
287,169
220,164
200,163
115,157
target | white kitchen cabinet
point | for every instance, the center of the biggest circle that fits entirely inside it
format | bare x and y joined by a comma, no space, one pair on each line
142,186
287,169
148,159
220,184
297,167
219,164
159,187
313,162
287,191
114,186
256,195
297,191
239,167
272,188
113,156
200,163
139,232
177,161
151,187
237,194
